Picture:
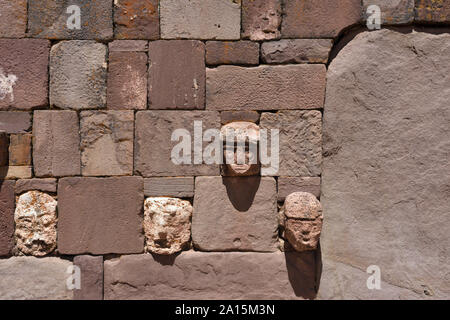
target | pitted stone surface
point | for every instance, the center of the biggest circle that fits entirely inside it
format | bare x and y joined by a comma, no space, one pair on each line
432,11
13,23
296,51
232,52
261,19
136,19
392,12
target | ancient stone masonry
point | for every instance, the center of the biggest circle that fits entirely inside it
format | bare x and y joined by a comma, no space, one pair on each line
224,149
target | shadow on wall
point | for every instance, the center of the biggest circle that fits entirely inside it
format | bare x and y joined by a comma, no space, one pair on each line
241,191
4,161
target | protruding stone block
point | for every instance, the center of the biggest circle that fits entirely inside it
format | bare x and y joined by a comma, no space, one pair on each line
296,51
13,22
180,187
136,19
15,122
7,203
91,285
20,149
288,185
261,19
44,185
232,52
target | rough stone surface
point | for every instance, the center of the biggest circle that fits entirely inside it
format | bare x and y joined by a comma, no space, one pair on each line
176,74
100,215
198,275
23,73
167,225
45,185
15,122
385,186
20,149
392,12
296,51
91,284
7,203
127,80
35,218
30,278
200,19
106,143
56,143
13,23
319,18
432,11
300,138
231,116
235,214
136,19
288,185
153,145
128,45
15,172
180,187
265,87
78,75
232,52
261,19
4,146
49,19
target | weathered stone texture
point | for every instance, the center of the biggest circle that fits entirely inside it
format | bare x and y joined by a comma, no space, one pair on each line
100,215
232,52
23,73
30,278
91,284
15,172
296,51
13,22
136,19
7,203
128,45
200,19
176,74
300,138
392,12
49,19
106,143
235,214
319,18
78,75
56,143
167,225
265,87
20,149
432,11
385,186
288,185
15,122
45,185
261,19
180,187
153,145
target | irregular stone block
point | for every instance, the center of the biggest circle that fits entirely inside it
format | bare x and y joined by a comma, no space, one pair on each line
392,12
288,185
200,19
15,172
91,285
167,225
7,203
127,80
100,215
20,149
136,19
51,19
106,143
385,186
319,18
15,122
4,146
261,19
13,23
176,75
180,187
296,51
128,45
78,75
45,185
232,52
265,87
243,217
56,143
35,218
300,141
231,116
199,275
30,278
432,11
157,127
24,73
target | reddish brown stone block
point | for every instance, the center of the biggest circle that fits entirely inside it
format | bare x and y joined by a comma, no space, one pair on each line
261,19
45,185
432,11
288,185
7,204
231,116
392,12
13,22
136,19
15,122
232,52
128,45
91,287
20,150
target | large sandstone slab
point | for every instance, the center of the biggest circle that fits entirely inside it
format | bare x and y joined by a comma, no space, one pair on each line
7,203
136,19
235,214
265,87
13,23
198,275
385,182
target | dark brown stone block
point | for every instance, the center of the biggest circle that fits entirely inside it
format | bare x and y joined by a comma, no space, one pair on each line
232,52
91,287
13,22
15,122
4,143
7,203
20,149
136,19
128,45
432,11
45,185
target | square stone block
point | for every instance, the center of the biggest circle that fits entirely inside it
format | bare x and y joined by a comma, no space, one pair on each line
136,19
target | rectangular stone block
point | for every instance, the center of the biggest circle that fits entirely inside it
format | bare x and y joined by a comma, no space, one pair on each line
179,187
15,122
78,75
13,22
300,141
128,45
200,19
4,143
199,275
127,80
261,19
154,145
232,52
45,185
20,149
107,143
7,204
176,74
265,87
296,51
24,71
232,116
100,215
56,143
91,286
52,19
136,19
392,12
432,11
235,214
15,172
288,185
